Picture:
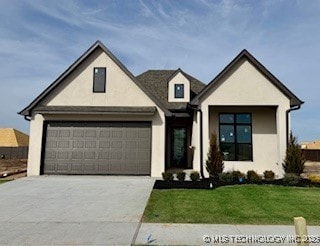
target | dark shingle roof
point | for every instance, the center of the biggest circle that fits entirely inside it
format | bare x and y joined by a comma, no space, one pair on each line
156,82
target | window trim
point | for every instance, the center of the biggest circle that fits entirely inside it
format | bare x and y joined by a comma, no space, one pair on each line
175,91
235,124
105,80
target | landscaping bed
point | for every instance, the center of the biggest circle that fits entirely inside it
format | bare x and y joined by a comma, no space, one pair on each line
209,184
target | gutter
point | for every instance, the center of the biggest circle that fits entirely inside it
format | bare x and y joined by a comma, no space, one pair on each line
194,107
287,120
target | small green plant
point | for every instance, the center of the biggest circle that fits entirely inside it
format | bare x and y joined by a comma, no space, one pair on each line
268,175
214,163
181,176
253,177
291,179
294,160
237,176
226,177
167,176
314,178
194,176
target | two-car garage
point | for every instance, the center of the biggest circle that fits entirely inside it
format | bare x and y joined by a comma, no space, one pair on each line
122,148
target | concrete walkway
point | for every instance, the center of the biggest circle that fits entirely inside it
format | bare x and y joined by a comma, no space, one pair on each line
206,234
72,210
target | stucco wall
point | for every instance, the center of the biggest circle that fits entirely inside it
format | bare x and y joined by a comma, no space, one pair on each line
179,78
244,85
77,90
35,141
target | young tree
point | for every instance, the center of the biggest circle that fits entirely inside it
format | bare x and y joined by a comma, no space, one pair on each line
294,160
214,163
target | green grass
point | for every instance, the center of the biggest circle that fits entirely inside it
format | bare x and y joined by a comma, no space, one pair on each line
243,204
3,181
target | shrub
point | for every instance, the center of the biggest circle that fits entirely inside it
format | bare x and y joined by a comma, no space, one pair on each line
194,176
294,160
226,177
167,176
181,176
214,163
314,178
291,179
253,177
237,176
268,175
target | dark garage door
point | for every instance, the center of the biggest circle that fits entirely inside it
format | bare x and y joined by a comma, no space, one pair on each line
98,148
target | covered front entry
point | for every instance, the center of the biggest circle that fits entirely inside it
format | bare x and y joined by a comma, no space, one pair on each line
97,148
178,152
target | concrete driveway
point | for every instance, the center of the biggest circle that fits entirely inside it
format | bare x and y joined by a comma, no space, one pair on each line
62,210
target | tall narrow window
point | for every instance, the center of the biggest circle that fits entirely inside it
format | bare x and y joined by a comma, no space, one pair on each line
179,91
99,79
235,136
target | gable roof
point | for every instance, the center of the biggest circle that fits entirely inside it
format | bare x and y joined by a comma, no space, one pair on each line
294,100
156,81
10,137
98,44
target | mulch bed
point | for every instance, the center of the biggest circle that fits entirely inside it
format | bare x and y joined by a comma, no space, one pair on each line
209,184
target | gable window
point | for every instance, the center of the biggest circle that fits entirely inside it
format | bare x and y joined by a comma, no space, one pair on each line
179,91
235,135
99,79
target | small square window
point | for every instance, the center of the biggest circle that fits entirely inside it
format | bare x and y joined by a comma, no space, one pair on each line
99,79
179,91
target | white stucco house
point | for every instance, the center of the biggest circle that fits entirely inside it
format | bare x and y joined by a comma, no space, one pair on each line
98,118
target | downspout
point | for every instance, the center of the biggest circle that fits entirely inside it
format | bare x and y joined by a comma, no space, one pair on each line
287,120
27,118
194,107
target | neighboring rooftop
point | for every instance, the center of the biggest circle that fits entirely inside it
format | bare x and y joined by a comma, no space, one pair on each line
156,82
10,137
310,145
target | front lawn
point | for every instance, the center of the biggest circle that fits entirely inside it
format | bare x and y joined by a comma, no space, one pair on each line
238,204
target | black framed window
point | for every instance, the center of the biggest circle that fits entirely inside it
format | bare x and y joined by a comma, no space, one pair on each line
235,136
99,79
179,90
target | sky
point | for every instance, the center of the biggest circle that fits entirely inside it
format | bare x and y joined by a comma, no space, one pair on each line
40,39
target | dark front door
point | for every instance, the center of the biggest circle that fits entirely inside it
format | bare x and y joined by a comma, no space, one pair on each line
179,147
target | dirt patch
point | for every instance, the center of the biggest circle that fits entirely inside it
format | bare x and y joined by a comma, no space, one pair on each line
12,166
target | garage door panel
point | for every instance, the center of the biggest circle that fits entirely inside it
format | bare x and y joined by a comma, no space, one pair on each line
89,155
104,134
63,155
78,133
91,133
78,144
76,168
88,167
98,148
104,144
62,167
